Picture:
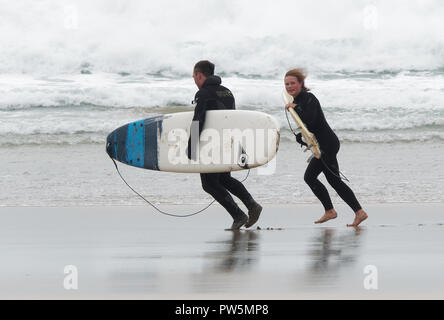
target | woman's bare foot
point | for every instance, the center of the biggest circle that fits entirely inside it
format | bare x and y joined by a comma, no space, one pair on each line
328,215
360,216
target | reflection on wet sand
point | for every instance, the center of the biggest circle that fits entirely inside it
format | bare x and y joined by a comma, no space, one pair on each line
227,263
248,262
239,252
330,253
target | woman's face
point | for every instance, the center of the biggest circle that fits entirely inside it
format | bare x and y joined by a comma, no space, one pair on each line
293,86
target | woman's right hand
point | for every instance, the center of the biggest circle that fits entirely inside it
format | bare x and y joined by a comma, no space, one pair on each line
290,105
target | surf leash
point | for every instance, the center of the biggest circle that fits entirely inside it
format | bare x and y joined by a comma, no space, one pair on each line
340,176
160,211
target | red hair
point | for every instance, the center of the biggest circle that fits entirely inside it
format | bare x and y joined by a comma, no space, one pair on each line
300,75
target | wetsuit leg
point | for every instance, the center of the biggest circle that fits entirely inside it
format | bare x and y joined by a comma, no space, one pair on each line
237,188
211,184
314,168
333,178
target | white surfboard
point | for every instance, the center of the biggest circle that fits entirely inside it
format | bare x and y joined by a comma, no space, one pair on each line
230,140
308,137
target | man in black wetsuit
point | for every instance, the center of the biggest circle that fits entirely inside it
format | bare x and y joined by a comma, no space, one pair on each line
309,110
213,96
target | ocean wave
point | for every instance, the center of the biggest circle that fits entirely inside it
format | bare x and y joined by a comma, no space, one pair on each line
268,60
76,119
170,107
61,109
403,93
74,136
64,140
60,139
381,136
140,38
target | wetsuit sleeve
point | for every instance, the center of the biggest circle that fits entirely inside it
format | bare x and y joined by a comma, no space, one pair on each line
309,111
201,99
200,110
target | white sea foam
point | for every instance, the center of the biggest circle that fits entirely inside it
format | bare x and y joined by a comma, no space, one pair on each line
57,37
401,107
72,71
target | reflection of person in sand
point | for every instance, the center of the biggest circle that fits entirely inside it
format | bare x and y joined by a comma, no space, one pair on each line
239,252
309,110
330,252
332,258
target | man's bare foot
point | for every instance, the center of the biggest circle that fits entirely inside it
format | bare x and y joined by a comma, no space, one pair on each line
360,216
328,215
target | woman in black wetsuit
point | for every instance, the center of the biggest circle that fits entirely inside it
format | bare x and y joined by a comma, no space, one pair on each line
309,110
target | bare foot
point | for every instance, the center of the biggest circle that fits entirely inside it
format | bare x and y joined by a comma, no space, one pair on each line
360,216
328,215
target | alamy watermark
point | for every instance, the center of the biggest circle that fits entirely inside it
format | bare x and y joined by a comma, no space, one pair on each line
71,279
233,147
371,278
371,18
71,17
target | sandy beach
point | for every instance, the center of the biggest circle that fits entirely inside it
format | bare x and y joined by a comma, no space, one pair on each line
132,252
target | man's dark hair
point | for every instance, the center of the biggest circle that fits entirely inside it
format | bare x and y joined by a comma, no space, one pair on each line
205,67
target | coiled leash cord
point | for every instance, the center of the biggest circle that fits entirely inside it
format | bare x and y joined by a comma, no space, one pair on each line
243,157
341,176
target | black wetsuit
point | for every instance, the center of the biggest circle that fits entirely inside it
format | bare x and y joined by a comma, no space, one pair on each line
309,110
213,96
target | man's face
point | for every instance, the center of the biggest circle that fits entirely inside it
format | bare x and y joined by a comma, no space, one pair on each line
199,78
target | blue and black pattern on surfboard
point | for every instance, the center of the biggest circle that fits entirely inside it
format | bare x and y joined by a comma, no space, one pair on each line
135,143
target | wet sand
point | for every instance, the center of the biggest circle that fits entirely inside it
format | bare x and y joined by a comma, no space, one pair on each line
132,252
